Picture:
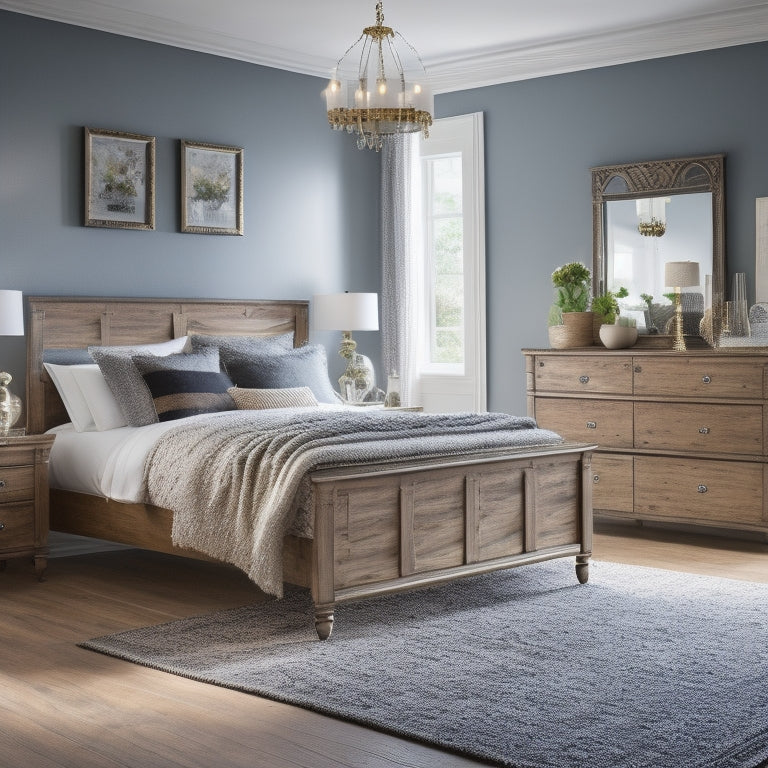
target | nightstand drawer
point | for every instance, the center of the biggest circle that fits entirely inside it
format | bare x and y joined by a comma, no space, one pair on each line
700,491
17,526
17,483
605,422
699,427
584,373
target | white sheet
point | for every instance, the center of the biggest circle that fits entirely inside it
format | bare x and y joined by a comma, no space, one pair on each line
109,463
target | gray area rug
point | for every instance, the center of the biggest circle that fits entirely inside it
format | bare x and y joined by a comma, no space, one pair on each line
639,668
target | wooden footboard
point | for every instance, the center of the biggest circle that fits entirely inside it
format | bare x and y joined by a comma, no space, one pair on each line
396,528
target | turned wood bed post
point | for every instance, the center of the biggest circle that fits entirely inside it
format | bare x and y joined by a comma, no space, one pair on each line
323,559
582,560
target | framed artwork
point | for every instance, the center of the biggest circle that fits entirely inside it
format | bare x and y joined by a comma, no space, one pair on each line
211,189
119,180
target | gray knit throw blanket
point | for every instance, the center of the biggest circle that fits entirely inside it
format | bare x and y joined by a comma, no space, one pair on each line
231,479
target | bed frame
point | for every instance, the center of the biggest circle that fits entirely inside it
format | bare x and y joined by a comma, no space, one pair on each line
377,528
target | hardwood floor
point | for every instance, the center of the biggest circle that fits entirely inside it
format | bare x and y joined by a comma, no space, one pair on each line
65,706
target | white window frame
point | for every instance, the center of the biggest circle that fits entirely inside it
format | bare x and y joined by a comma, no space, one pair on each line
446,387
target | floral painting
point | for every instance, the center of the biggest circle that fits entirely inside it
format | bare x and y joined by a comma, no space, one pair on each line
211,189
119,180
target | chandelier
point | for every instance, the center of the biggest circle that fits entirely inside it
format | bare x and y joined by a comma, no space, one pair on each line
652,215
377,90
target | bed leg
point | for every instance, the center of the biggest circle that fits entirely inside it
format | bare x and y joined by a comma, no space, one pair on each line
324,623
582,568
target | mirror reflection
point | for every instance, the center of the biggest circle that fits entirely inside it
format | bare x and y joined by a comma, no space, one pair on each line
641,236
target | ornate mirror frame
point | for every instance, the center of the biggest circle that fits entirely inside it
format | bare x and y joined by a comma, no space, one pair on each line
657,178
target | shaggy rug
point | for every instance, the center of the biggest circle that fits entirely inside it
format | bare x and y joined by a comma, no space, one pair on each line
640,668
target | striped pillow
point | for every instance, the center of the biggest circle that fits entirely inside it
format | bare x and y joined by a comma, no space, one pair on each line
261,399
177,394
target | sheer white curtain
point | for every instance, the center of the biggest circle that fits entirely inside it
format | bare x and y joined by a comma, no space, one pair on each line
399,217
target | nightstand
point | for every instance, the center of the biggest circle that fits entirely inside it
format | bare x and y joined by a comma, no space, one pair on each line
24,499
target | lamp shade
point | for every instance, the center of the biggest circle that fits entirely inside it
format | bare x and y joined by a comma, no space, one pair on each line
681,274
11,313
346,312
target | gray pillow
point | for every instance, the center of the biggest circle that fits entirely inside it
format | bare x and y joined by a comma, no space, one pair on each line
303,367
243,345
124,379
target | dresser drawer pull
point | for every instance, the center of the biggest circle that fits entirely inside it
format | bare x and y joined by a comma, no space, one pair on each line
703,430
584,379
596,478
706,379
702,489
2,526
2,483
591,425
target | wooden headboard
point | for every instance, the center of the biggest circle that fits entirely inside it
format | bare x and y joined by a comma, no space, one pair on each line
57,322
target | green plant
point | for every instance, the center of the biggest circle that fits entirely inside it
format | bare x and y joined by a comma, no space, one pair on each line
571,283
607,305
555,316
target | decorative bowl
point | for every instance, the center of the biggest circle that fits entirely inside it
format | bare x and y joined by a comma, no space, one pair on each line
618,336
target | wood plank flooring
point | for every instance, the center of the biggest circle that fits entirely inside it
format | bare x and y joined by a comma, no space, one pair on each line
67,707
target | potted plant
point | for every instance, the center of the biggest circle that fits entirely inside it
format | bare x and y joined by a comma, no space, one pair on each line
605,308
570,322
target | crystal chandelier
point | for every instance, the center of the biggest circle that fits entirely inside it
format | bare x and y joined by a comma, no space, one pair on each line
652,214
377,90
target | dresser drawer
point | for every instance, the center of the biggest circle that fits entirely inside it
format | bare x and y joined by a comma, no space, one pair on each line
699,377
699,427
612,482
17,523
605,422
584,373
17,483
706,491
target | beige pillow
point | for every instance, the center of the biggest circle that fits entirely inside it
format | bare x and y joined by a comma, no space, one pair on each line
260,399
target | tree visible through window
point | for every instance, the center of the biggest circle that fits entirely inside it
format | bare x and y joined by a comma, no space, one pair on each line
445,250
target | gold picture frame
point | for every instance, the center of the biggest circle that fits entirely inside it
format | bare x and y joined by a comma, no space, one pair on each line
211,189
119,179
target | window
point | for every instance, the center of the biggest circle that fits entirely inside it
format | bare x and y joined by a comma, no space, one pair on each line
449,248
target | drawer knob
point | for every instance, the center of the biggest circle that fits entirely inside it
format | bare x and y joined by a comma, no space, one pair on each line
702,489
2,526
638,369
584,379
591,425
2,483
706,379
596,478
703,430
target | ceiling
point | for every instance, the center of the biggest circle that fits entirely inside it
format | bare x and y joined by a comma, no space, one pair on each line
463,44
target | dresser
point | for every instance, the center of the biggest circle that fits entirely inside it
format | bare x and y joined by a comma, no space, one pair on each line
24,499
682,436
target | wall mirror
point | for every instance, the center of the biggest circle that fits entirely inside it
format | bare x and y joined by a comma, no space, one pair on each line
647,214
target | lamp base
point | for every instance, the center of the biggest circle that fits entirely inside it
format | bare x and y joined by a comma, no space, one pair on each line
677,325
358,379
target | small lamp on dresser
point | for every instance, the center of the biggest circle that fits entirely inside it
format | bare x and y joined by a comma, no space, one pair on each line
678,275
11,324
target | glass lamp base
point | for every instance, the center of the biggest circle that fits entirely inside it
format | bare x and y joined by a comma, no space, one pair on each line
358,380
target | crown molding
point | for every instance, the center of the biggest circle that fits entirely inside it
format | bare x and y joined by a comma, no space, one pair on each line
449,73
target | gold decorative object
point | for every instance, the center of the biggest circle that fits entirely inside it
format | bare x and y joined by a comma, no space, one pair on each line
652,215
400,101
677,275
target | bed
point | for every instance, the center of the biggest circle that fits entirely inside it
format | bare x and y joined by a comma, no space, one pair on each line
378,527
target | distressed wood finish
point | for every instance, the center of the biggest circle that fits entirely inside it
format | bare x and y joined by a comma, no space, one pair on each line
24,499
377,528
686,441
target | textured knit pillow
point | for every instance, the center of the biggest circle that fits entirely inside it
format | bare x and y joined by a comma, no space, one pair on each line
261,399
302,367
125,381
242,345
177,394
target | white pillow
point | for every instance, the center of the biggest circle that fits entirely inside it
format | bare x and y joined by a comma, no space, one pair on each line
105,411
72,396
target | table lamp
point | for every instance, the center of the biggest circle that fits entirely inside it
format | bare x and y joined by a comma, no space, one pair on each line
677,275
11,324
349,312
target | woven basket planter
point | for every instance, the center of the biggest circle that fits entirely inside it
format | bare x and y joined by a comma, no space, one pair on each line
576,331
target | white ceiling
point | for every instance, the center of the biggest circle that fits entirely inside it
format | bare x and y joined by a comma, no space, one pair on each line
463,44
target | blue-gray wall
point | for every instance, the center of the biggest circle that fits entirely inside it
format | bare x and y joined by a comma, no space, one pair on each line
541,138
310,196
